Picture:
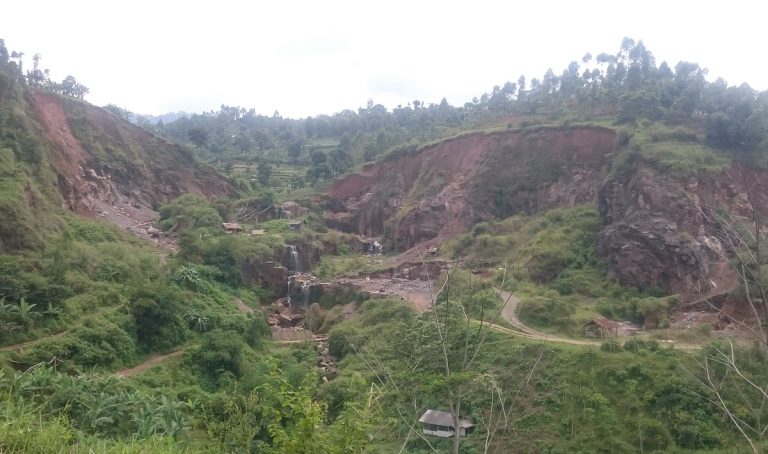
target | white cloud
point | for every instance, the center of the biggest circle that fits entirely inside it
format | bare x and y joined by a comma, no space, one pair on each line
308,57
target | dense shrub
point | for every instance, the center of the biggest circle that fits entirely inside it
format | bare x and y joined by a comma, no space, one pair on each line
157,312
220,351
548,309
610,346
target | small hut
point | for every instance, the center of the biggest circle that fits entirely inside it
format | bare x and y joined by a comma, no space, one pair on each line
231,227
291,210
372,246
601,327
294,225
440,424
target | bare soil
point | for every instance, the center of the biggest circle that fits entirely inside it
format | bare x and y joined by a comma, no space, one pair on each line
69,155
437,193
416,292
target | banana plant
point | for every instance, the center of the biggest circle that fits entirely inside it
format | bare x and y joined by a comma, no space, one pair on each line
170,416
197,321
26,313
8,311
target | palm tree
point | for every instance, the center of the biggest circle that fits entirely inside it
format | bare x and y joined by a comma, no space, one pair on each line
188,277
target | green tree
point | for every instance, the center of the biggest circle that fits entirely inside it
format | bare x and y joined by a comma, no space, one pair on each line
121,112
220,351
157,312
295,148
265,173
198,136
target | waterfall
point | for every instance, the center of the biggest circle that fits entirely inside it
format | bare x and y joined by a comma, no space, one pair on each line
288,295
295,259
305,294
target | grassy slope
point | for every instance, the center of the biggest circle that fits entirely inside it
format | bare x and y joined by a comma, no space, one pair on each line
29,203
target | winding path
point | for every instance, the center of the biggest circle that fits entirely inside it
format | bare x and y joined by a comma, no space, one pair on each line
149,363
242,307
30,343
508,313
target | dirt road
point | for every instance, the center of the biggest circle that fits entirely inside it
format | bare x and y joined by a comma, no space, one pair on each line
30,343
508,313
149,363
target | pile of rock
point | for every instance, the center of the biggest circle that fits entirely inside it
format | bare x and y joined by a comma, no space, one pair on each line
325,361
282,317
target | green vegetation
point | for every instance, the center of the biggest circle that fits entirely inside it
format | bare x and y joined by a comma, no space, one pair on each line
551,265
579,399
80,301
678,151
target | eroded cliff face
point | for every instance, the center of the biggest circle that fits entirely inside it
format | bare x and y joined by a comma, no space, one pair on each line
108,166
658,228
659,231
444,189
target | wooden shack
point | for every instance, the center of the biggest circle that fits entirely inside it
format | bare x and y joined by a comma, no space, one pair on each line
231,227
601,327
440,424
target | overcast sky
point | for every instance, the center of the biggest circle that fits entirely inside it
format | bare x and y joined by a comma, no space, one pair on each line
310,57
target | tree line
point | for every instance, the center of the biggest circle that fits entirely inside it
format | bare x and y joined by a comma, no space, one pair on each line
628,86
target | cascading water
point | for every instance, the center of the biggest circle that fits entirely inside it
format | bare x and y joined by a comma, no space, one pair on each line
305,294
296,277
288,295
295,259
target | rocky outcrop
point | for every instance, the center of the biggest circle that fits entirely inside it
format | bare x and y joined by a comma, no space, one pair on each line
658,229
659,232
298,258
444,188
266,274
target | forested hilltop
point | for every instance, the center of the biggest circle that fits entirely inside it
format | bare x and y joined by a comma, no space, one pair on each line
567,264
627,87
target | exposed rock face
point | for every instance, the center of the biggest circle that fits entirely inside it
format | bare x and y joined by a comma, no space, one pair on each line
657,228
656,231
445,188
104,163
267,274
306,255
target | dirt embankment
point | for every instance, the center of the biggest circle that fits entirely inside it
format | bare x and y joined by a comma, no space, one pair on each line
109,167
445,188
